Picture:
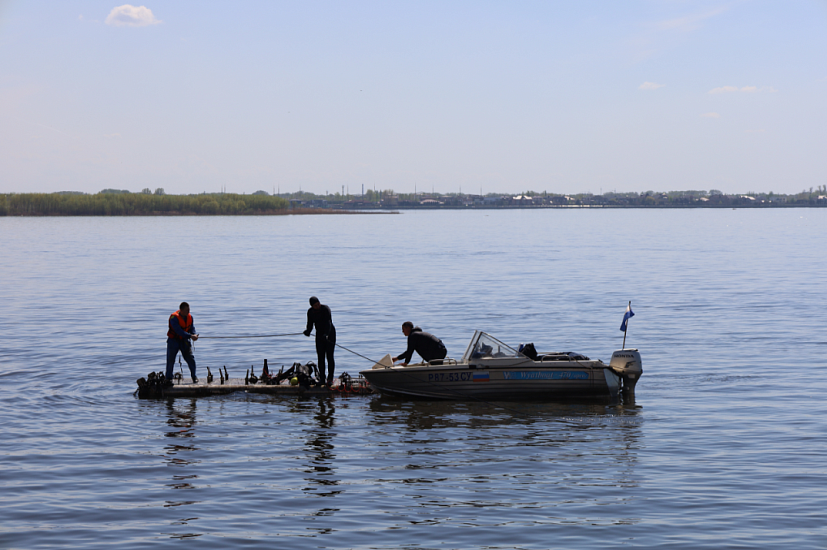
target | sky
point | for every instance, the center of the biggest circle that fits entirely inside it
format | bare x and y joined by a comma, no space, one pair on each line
478,96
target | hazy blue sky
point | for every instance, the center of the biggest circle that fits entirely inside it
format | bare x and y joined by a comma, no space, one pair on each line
500,96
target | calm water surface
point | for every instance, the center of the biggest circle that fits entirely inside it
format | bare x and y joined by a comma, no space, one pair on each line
723,446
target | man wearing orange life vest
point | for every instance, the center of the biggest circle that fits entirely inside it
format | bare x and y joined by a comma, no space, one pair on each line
180,336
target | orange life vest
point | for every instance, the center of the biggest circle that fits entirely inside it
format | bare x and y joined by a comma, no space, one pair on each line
186,325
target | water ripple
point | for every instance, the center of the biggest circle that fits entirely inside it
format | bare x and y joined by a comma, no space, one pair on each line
721,448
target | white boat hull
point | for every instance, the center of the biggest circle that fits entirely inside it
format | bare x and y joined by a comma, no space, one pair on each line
527,380
491,370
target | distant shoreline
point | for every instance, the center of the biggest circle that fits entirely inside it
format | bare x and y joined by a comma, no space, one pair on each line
155,204
123,203
290,212
398,210
602,207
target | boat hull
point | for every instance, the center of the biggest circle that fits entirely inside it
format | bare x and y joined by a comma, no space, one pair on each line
534,381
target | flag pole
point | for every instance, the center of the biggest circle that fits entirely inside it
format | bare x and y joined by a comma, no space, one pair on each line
627,326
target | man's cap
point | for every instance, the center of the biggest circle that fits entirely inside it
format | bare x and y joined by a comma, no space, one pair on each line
313,300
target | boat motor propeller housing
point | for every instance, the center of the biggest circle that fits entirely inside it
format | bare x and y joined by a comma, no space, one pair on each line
627,364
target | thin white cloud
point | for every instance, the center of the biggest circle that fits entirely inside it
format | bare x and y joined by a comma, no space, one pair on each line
131,16
116,135
659,35
711,115
650,86
61,132
744,89
723,90
689,22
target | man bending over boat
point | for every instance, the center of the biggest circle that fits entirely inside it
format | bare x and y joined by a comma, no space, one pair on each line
180,336
425,344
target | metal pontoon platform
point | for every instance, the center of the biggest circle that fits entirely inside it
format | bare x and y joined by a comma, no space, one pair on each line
202,389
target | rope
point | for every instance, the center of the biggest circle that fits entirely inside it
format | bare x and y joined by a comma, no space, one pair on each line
450,390
354,353
254,336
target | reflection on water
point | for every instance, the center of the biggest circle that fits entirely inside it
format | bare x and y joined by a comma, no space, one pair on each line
322,480
181,422
510,457
421,414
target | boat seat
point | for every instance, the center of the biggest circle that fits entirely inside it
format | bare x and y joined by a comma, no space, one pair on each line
562,356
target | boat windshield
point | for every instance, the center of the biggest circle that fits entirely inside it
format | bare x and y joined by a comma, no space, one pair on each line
483,345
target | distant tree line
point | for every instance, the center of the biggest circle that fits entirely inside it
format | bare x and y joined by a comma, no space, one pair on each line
116,202
112,202
713,198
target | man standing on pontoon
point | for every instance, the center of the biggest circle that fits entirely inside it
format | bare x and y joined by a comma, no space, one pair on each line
319,315
180,336
425,344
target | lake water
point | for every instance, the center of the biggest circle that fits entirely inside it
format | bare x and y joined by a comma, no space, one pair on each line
723,446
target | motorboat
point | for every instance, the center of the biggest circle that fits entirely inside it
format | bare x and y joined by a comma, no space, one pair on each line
492,370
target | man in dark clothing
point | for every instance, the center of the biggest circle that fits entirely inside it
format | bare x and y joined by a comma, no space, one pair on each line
320,316
427,345
180,336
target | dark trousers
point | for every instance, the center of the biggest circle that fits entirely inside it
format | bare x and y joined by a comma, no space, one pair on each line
185,347
324,350
438,356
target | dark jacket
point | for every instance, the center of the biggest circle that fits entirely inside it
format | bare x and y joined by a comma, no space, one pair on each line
323,320
425,344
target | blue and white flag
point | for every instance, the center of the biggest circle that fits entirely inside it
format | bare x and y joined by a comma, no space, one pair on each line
629,314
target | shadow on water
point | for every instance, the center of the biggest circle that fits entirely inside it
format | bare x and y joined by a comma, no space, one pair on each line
425,414
181,423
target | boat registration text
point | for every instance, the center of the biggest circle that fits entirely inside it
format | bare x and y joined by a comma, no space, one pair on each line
545,375
457,377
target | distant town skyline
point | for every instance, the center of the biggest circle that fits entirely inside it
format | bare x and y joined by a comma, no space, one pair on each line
563,97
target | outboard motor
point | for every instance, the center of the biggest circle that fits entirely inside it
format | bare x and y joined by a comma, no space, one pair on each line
627,364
